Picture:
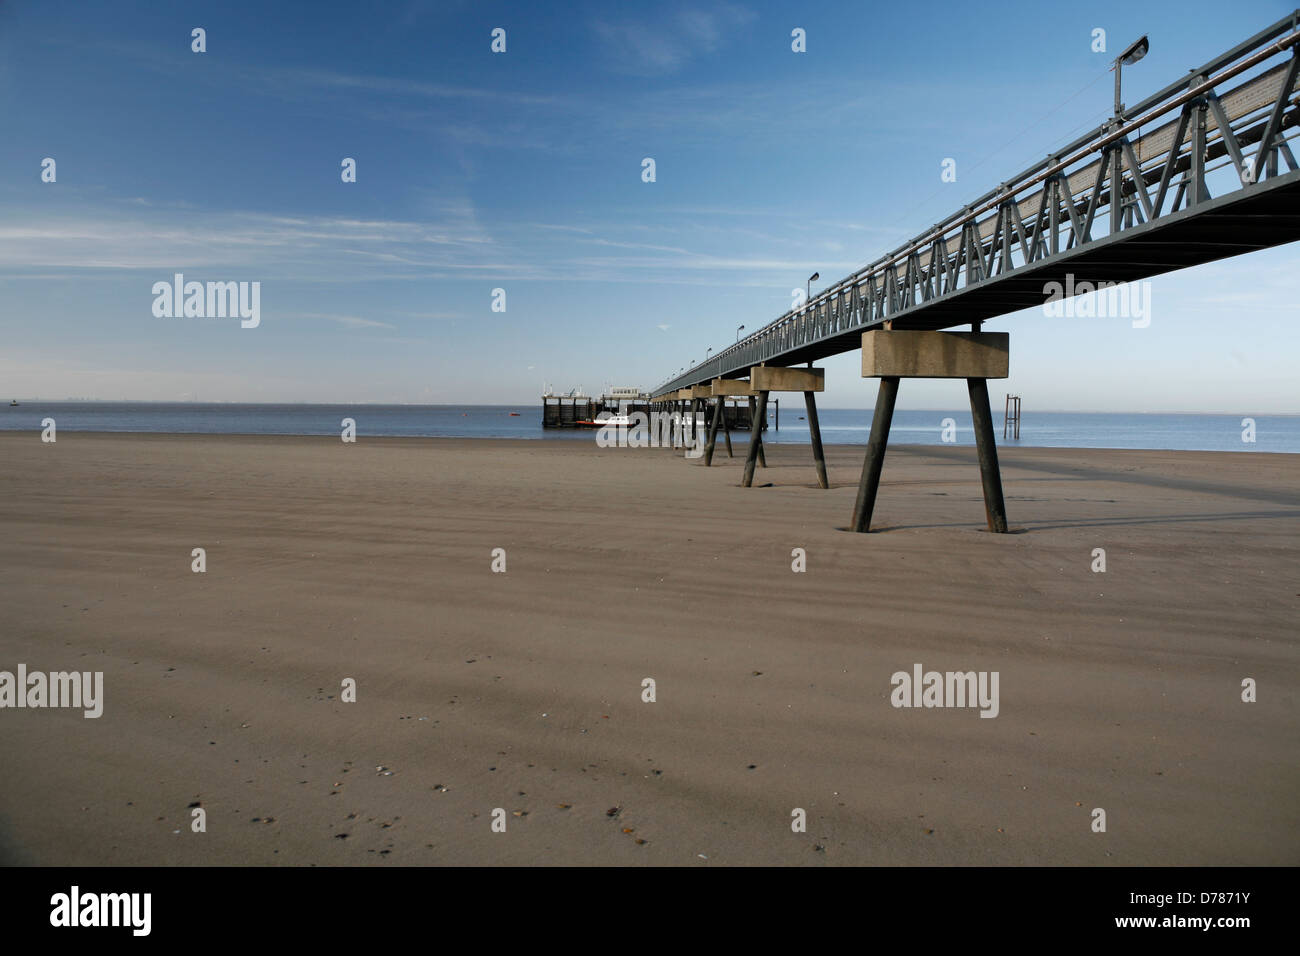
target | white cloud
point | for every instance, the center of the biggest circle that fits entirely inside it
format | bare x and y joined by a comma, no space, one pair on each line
666,44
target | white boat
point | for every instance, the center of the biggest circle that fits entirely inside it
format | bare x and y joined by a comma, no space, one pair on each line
624,421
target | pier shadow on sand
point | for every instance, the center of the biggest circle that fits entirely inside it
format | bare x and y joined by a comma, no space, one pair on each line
1027,527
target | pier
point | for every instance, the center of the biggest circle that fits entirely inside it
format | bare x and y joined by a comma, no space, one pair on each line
1201,171
566,411
577,410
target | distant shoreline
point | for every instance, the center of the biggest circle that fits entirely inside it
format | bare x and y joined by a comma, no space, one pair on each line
573,438
533,405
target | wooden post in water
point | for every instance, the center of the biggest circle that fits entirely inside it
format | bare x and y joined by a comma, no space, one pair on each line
1011,417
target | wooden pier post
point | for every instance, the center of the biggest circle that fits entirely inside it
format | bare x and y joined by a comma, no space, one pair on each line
891,355
753,427
875,460
680,399
718,411
755,438
815,431
769,378
722,389
688,423
995,509
700,395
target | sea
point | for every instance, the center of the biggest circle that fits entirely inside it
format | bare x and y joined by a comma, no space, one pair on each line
1189,432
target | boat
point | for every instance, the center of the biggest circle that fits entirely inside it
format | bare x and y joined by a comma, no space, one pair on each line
13,403
618,421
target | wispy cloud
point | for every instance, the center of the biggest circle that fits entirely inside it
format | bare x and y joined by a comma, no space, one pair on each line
643,47
91,239
348,321
714,263
103,238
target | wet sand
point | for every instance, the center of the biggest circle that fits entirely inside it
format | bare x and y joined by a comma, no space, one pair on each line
523,690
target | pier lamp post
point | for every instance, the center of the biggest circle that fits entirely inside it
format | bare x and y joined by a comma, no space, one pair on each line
738,331
807,295
1132,53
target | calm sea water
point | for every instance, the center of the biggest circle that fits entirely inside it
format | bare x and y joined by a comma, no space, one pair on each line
1273,433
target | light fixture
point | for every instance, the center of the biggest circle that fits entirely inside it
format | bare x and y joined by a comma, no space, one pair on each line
1132,53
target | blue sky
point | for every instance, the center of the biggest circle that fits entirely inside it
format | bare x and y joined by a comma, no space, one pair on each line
522,171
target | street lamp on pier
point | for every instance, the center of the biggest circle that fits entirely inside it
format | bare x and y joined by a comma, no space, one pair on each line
1132,53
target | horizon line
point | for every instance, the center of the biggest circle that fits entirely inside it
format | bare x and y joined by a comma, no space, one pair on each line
838,408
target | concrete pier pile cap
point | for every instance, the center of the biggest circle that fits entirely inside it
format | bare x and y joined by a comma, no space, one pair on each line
773,378
731,386
918,354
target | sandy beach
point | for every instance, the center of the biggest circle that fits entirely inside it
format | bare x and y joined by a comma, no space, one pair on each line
523,690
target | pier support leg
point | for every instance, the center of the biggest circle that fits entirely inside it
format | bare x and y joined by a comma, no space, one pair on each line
815,431
875,460
718,411
756,428
995,510
726,427
688,427
699,430
755,439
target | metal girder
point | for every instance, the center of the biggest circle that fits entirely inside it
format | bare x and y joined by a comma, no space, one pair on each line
995,255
